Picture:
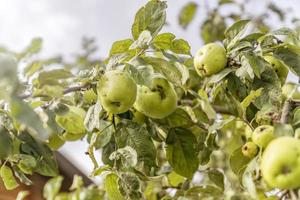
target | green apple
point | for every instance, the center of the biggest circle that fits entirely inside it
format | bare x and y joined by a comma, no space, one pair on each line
157,101
117,91
280,69
250,149
297,133
210,59
73,123
262,135
89,96
280,163
290,90
248,132
138,117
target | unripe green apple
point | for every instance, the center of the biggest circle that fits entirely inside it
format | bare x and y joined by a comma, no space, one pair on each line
89,96
297,133
73,123
262,135
280,69
289,90
210,59
138,117
116,91
157,101
280,163
250,149
248,132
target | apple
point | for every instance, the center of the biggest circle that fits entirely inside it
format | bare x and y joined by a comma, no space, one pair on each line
290,90
157,101
262,135
73,123
89,96
116,91
297,133
210,59
138,117
250,149
280,69
280,163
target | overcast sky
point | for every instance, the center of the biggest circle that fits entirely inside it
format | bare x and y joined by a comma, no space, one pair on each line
62,24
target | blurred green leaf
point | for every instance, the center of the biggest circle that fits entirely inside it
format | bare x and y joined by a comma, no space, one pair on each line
52,188
120,46
8,178
187,14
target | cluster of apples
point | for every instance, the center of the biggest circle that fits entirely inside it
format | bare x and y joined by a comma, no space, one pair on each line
118,92
280,161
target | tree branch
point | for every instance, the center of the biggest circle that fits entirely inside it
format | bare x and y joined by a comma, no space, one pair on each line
66,91
287,107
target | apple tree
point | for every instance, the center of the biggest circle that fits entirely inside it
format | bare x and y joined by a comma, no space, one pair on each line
220,124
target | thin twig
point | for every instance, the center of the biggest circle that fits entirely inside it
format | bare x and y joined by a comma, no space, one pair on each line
287,107
66,91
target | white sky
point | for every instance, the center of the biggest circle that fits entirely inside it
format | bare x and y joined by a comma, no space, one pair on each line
62,24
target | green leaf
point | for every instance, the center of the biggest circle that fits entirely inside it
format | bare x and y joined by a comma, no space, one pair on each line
143,40
219,76
217,178
127,155
34,47
163,41
52,188
290,55
235,32
137,137
175,179
92,118
166,68
46,162
23,113
53,76
26,163
271,93
8,178
187,14
237,29
9,67
182,152
238,161
6,143
251,65
180,46
112,187
213,28
120,46
150,17
251,97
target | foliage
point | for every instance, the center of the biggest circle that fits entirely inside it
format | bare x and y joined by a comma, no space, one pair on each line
196,152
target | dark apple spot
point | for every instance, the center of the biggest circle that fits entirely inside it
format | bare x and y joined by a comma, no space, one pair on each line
285,170
262,129
116,103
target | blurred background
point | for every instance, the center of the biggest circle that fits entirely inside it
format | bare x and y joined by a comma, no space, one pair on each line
63,23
